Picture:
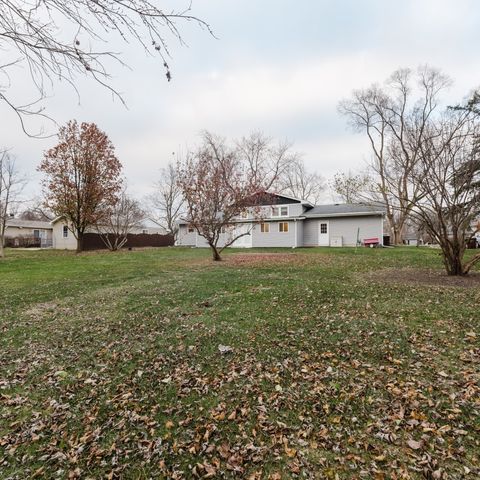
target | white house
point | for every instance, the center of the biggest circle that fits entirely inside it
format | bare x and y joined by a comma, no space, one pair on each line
17,231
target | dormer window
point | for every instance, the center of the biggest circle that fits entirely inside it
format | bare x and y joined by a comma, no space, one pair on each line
279,211
244,214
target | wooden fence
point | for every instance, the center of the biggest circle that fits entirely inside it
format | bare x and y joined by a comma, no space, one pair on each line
93,241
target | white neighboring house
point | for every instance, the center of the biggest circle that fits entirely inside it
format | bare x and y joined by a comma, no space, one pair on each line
291,222
64,239
37,229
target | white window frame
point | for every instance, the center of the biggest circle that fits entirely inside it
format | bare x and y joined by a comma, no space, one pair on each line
264,227
279,208
190,229
283,231
65,232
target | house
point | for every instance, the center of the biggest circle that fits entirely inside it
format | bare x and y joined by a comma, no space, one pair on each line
291,222
20,233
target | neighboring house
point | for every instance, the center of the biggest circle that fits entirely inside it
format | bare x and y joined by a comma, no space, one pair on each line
64,239
17,230
291,222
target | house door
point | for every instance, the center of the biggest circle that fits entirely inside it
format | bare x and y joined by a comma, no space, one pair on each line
324,233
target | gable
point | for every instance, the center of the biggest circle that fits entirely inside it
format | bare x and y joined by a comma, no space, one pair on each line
275,199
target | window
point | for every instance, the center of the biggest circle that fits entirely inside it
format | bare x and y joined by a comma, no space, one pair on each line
144,231
65,231
36,234
190,229
323,228
279,211
283,227
244,214
265,227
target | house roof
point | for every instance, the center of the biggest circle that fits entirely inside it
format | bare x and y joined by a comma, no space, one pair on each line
14,222
344,209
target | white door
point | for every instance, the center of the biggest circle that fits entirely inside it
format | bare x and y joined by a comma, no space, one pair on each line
246,240
324,233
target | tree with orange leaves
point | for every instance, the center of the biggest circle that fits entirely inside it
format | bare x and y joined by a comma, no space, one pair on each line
82,177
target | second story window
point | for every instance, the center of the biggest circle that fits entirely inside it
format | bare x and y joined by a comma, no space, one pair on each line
279,211
190,229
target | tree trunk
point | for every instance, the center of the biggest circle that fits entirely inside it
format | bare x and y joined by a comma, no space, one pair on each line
79,242
2,251
216,255
453,259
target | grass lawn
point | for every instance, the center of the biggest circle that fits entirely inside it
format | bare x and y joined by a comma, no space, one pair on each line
338,368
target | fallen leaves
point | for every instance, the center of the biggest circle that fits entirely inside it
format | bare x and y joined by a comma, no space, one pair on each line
281,373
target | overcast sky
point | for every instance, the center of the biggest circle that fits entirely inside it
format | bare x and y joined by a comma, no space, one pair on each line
280,66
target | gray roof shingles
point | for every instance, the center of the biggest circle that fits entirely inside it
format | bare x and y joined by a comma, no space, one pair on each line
343,209
28,224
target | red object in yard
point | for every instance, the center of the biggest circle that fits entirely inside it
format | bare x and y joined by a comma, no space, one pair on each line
371,242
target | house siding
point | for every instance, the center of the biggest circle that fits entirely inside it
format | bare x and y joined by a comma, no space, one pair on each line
299,226
61,243
184,238
274,238
310,233
347,227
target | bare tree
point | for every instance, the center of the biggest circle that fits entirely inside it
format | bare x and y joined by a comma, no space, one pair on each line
447,177
35,210
298,182
219,184
264,161
395,119
31,36
120,219
166,202
352,188
11,184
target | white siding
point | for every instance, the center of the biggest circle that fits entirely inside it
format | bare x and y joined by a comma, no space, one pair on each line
184,238
299,226
61,242
274,238
345,227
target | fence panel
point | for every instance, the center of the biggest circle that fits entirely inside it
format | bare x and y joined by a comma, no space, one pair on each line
93,241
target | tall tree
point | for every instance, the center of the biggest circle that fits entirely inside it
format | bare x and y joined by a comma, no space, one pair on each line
395,119
61,40
166,201
119,220
447,177
297,181
82,177
220,182
11,184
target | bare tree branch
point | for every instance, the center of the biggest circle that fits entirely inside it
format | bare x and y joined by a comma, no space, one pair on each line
55,40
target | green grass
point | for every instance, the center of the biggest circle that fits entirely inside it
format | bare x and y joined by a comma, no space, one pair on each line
110,368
